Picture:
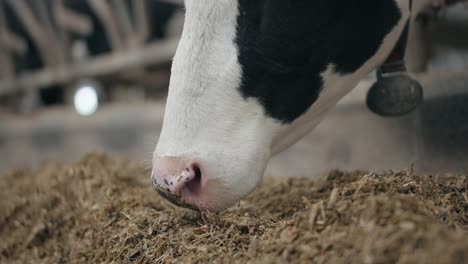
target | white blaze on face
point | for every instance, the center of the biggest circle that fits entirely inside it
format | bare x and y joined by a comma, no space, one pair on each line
206,119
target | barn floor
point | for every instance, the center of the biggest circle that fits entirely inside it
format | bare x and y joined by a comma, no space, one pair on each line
101,210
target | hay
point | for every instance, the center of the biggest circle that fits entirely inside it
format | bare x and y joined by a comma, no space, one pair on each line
101,210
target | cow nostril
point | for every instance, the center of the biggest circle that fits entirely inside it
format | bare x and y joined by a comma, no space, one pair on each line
194,185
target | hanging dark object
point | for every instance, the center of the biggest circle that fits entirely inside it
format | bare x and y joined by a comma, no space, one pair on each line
395,93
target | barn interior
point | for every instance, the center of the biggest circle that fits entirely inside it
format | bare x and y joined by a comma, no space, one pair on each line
129,76
91,76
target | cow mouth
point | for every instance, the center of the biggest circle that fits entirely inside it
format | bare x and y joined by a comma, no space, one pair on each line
175,199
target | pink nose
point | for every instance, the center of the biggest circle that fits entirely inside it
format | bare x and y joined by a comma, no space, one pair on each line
178,180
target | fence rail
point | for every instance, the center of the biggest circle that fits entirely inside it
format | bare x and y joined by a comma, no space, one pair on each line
42,33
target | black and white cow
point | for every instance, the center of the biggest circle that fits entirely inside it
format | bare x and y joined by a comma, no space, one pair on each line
251,77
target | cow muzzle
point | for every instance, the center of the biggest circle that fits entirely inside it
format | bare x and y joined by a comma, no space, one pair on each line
178,181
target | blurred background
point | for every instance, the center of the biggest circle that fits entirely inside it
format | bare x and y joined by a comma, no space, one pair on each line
92,75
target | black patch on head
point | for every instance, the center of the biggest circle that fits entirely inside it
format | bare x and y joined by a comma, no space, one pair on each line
284,46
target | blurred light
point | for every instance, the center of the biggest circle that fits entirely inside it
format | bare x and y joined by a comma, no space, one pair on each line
86,100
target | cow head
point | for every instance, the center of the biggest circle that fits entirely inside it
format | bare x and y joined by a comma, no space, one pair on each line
249,78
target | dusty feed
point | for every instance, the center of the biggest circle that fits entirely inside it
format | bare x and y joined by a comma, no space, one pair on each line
104,210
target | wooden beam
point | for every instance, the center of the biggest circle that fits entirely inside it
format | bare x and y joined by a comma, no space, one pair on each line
105,14
9,40
41,38
12,42
156,53
124,22
141,15
133,26
71,20
57,38
6,65
7,69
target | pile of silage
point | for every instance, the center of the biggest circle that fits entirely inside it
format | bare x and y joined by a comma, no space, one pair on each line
101,210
